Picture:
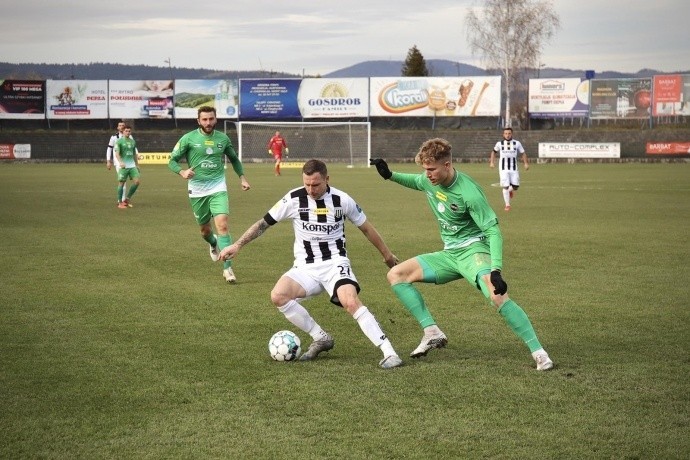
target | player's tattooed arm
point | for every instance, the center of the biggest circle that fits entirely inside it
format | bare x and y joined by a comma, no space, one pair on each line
253,232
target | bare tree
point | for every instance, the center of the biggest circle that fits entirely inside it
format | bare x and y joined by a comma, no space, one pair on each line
509,35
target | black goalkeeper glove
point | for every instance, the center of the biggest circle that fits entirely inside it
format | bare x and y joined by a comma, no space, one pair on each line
500,286
381,167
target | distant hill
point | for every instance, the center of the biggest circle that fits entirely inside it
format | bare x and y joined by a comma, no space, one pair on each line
446,68
437,68
569,73
103,71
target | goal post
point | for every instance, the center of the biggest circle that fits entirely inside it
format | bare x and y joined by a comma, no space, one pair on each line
333,142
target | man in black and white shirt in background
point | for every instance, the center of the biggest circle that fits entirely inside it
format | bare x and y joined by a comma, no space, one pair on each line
508,174
318,213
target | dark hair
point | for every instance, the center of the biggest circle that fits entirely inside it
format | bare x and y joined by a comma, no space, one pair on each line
508,128
205,108
315,166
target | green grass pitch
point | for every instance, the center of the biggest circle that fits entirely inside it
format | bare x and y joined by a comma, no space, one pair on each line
120,339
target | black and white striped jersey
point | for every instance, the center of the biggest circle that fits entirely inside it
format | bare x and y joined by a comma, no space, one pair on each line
508,152
319,224
111,143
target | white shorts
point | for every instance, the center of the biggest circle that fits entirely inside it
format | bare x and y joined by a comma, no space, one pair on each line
508,178
325,276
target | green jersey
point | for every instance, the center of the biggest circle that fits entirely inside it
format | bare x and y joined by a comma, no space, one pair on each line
204,154
462,211
127,149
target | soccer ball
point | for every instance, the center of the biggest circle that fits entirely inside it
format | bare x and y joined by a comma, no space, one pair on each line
284,346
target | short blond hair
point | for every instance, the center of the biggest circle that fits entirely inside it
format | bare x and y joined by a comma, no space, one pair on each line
434,150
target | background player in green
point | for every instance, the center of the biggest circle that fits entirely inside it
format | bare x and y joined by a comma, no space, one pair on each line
109,157
204,150
473,248
125,151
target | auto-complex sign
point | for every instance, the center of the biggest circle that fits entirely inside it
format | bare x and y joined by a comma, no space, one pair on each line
579,150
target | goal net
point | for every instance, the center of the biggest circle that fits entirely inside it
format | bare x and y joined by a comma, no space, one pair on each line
333,142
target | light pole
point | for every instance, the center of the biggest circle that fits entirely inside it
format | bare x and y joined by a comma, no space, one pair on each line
172,80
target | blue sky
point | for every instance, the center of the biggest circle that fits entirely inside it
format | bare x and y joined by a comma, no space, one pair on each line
318,37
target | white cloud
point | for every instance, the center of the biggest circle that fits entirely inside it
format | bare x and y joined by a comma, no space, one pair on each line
320,37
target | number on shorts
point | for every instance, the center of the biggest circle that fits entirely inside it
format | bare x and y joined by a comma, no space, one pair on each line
344,271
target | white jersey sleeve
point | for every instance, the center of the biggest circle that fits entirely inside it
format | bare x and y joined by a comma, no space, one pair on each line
111,144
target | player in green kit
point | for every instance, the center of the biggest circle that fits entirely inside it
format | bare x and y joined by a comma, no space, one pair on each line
125,151
473,248
204,149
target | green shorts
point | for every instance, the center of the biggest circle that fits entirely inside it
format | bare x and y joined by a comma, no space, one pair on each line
205,207
452,264
127,173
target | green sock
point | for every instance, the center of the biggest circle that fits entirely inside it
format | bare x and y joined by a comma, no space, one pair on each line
131,190
520,324
223,242
120,189
211,239
413,301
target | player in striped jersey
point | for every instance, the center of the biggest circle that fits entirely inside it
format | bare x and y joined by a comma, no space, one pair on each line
473,248
318,213
508,174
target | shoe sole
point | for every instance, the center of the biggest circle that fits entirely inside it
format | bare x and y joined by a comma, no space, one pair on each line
306,357
433,343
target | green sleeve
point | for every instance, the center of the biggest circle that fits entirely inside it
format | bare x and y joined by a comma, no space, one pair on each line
407,180
175,156
234,159
174,166
495,238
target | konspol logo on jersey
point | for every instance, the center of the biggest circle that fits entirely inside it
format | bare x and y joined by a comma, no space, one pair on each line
325,228
404,96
